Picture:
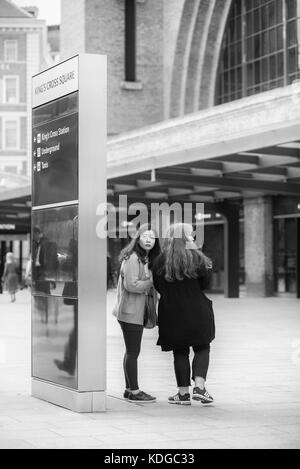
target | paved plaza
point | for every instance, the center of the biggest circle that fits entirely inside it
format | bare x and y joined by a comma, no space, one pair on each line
254,377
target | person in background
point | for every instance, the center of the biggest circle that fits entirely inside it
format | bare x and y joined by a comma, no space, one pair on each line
10,276
185,314
135,281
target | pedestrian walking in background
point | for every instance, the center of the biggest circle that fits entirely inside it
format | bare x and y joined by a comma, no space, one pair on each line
10,276
185,314
135,281
28,273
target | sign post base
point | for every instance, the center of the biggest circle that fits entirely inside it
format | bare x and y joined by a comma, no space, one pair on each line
94,401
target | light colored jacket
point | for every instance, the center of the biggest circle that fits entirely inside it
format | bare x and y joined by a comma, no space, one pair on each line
133,284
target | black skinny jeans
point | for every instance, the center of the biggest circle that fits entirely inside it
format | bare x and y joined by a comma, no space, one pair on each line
132,334
182,364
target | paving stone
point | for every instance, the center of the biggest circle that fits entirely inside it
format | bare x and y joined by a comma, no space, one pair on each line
253,377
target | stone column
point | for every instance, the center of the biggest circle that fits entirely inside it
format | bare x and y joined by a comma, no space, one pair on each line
259,265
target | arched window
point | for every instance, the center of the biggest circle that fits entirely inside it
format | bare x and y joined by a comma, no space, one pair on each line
261,48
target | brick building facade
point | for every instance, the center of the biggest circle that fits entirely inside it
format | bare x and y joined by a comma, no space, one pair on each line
23,52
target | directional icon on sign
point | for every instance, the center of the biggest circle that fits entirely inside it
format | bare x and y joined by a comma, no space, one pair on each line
34,139
34,167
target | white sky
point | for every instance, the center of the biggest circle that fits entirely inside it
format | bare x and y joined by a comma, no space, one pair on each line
49,10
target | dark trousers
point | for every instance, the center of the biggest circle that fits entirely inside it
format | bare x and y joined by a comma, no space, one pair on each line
132,334
182,364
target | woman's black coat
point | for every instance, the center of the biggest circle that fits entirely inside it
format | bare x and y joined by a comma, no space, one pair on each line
185,314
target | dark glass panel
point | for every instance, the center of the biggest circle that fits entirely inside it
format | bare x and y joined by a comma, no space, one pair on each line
238,28
54,251
273,69
248,5
239,78
55,151
257,45
291,8
54,340
231,31
279,12
239,52
272,40
56,109
250,75
292,33
249,24
265,69
279,33
280,64
272,14
265,43
232,55
226,82
257,68
225,59
256,21
264,17
292,60
232,81
250,48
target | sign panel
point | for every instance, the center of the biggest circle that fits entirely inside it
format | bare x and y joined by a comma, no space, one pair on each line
55,82
55,152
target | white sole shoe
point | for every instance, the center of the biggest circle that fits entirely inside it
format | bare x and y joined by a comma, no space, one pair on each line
180,402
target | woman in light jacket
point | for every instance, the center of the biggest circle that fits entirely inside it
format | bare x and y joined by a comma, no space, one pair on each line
135,281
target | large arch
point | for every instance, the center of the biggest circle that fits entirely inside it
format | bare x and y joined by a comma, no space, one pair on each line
197,53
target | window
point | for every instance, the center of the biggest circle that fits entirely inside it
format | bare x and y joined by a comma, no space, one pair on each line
130,40
268,34
11,90
10,50
11,134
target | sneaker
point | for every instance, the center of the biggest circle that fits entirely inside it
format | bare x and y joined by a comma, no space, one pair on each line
202,395
184,399
126,394
141,396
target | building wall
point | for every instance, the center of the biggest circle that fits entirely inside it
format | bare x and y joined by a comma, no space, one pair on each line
178,44
30,35
72,31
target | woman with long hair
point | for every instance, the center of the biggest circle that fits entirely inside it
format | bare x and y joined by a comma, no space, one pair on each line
185,315
135,281
10,276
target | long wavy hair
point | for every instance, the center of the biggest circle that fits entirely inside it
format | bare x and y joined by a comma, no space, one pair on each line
181,256
134,246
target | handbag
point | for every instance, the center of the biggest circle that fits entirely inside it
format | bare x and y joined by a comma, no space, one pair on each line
122,295
150,316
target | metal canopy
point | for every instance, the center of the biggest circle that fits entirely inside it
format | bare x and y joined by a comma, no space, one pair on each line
246,148
265,171
15,209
